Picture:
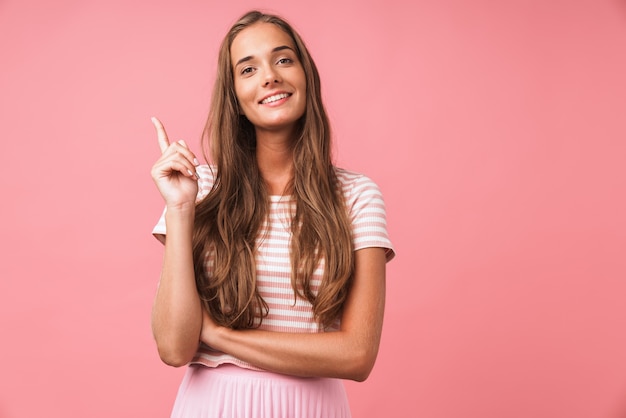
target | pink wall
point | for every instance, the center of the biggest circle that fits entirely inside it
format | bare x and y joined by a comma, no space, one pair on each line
495,129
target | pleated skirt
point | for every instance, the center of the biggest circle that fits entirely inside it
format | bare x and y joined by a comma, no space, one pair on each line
229,391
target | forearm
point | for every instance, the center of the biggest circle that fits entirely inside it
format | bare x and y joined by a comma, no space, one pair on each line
177,312
328,354
349,353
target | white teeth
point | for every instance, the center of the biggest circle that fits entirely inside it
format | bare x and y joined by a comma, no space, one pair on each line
274,98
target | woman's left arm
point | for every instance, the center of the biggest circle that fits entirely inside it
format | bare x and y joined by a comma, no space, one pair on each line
349,353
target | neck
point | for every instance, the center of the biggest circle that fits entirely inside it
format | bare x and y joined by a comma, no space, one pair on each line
275,159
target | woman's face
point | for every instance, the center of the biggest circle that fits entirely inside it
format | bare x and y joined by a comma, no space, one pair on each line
269,80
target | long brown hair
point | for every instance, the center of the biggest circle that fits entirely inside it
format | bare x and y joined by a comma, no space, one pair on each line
228,220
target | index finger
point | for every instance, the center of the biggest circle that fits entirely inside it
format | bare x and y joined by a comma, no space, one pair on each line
164,142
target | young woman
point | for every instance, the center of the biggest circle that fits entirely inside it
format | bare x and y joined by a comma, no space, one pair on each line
273,279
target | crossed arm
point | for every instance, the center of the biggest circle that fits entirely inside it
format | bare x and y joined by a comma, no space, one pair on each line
179,322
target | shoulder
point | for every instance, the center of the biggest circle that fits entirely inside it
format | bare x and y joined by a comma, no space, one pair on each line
206,179
207,172
347,176
356,185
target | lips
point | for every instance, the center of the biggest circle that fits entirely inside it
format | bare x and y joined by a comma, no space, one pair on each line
274,98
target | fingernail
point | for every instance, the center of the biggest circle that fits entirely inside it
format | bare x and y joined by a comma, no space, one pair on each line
195,161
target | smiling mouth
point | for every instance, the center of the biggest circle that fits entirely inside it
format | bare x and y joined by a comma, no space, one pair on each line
275,98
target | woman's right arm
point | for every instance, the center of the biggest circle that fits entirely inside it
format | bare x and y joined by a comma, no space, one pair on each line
177,311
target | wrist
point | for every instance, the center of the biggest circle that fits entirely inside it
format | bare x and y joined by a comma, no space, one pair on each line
179,219
217,338
186,208
211,337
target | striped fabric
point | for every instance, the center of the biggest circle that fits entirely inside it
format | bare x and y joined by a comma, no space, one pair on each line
288,313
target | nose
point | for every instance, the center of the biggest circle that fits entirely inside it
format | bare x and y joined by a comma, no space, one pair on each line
270,77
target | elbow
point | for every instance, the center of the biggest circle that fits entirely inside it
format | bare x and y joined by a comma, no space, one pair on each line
174,348
174,357
173,361
361,374
360,366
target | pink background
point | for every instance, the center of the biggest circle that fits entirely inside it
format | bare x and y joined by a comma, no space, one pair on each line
496,130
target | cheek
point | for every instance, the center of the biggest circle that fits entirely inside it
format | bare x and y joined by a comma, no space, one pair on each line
242,92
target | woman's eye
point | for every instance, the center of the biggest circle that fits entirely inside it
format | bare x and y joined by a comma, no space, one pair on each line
247,70
285,61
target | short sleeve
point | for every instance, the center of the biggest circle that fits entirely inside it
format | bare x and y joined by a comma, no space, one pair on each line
367,212
159,229
206,179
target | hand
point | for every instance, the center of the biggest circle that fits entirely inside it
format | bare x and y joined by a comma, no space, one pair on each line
174,173
210,329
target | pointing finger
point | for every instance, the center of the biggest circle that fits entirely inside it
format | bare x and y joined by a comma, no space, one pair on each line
161,134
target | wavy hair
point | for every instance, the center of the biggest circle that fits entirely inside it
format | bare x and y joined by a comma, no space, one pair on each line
229,219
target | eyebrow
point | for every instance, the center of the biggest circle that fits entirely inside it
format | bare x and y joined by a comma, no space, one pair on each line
278,48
